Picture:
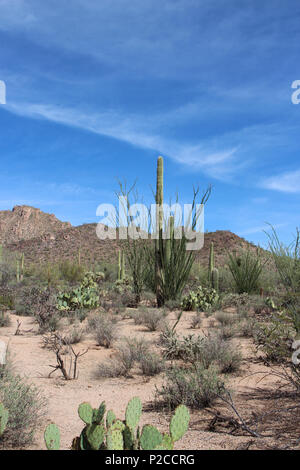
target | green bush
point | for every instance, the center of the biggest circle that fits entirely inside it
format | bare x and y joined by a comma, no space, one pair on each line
7,301
4,319
26,408
274,339
151,364
246,268
103,328
71,272
196,388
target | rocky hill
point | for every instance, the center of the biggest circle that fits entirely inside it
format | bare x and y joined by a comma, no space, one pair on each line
49,240
26,222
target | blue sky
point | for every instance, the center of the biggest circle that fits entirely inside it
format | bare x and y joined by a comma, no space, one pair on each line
96,90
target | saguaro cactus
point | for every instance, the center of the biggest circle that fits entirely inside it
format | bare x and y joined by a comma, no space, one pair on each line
211,263
121,265
22,266
215,279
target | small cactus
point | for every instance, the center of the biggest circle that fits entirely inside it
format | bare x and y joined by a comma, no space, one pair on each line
52,437
179,423
133,413
150,437
85,412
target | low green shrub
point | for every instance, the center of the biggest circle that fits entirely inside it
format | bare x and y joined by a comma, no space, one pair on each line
196,388
26,408
5,319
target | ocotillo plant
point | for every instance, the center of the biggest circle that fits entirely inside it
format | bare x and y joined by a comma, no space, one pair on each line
18,270
123,266
119,265
159,229
1,257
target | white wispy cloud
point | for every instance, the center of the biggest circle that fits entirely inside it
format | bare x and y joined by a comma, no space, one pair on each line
259,228
217,163
288,182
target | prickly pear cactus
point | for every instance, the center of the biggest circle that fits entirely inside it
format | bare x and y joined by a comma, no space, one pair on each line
114,439
95,434
109,433
151,438
86,413
179,423
133,413
52,437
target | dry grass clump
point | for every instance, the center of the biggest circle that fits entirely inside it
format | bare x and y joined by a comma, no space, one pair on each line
103,328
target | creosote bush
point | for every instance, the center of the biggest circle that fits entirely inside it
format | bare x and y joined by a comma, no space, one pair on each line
151,364
5,319
26,408
197,387
103,328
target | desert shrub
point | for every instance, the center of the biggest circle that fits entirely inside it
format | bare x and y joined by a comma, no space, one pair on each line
71,272
138,347
246,328
196,388
103,328
7,301
218,352
40,303
138,316
225,319
236,300
118,366
230,361
227,332
73,336
196,321
78,315
188,348
26,408
205,350
150,298
203,299
153,318
4,319
274,339
246,268
151,364
173,305
128,299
